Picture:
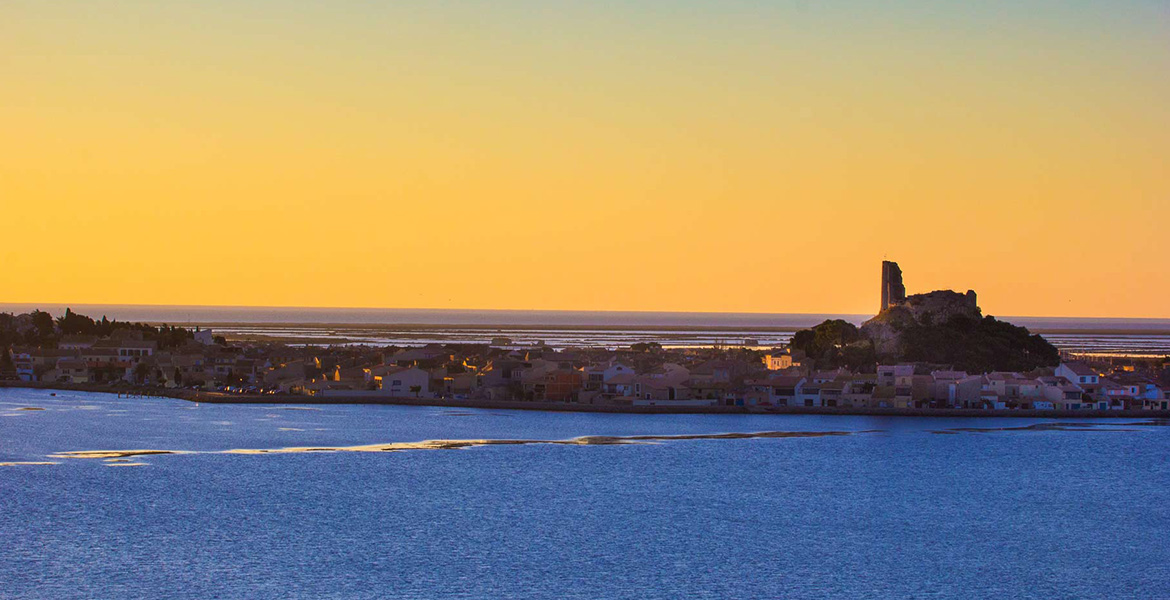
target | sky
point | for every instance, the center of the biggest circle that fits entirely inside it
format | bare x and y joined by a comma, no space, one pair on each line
691,155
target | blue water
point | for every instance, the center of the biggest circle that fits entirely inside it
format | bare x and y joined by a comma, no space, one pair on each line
900,508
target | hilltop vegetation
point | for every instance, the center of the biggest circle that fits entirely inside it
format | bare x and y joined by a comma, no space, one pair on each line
977,346
965,343
40,329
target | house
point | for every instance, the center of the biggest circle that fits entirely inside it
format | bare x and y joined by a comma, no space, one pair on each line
48,357
459,385
557,385
1114,395
23,360
70,370
778,391
911,391
996,381
1142,389
1080,374
248,369
189,370
716,370
501,373
133,350
964,392
989,398
942,380
887,375
620,385
778,361
531,373
405,382
106,364
883,396
833,392
662,387
376,372
426,357
1062,393
674,385
717,391
808,394
596,376
1027,389
858,391
1160,403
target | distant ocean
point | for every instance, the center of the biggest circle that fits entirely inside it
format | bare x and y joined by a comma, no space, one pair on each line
559,328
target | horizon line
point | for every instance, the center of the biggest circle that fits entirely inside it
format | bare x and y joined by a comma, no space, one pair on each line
37,305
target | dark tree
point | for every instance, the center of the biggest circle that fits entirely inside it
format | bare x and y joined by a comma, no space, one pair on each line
72,323
43,322
836,343
140,373
7,367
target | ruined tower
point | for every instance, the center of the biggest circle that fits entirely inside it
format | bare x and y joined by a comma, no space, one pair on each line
893,290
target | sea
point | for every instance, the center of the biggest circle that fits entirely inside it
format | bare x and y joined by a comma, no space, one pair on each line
566,329
353,502
1102,337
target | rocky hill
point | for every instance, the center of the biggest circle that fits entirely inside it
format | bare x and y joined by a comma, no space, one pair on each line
937,307
946,327
941,328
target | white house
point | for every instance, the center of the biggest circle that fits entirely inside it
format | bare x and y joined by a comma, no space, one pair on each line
599,375
1078,373
808,394
405,382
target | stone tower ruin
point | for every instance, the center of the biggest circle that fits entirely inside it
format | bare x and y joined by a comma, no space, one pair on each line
893,290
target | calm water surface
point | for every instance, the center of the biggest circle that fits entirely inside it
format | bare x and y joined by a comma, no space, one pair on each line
898,508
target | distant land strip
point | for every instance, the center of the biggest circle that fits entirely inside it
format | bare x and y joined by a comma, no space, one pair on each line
499,327
616,328
286,399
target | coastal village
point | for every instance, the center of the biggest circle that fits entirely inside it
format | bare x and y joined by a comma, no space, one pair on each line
627,377
640,375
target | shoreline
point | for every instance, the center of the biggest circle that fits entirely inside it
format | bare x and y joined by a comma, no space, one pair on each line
279,399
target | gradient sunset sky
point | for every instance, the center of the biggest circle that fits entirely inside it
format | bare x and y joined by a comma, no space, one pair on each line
741,156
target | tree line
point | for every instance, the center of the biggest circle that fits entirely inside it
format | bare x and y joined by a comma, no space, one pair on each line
39,328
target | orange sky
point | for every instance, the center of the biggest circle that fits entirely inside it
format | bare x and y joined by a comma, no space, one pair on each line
741,156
